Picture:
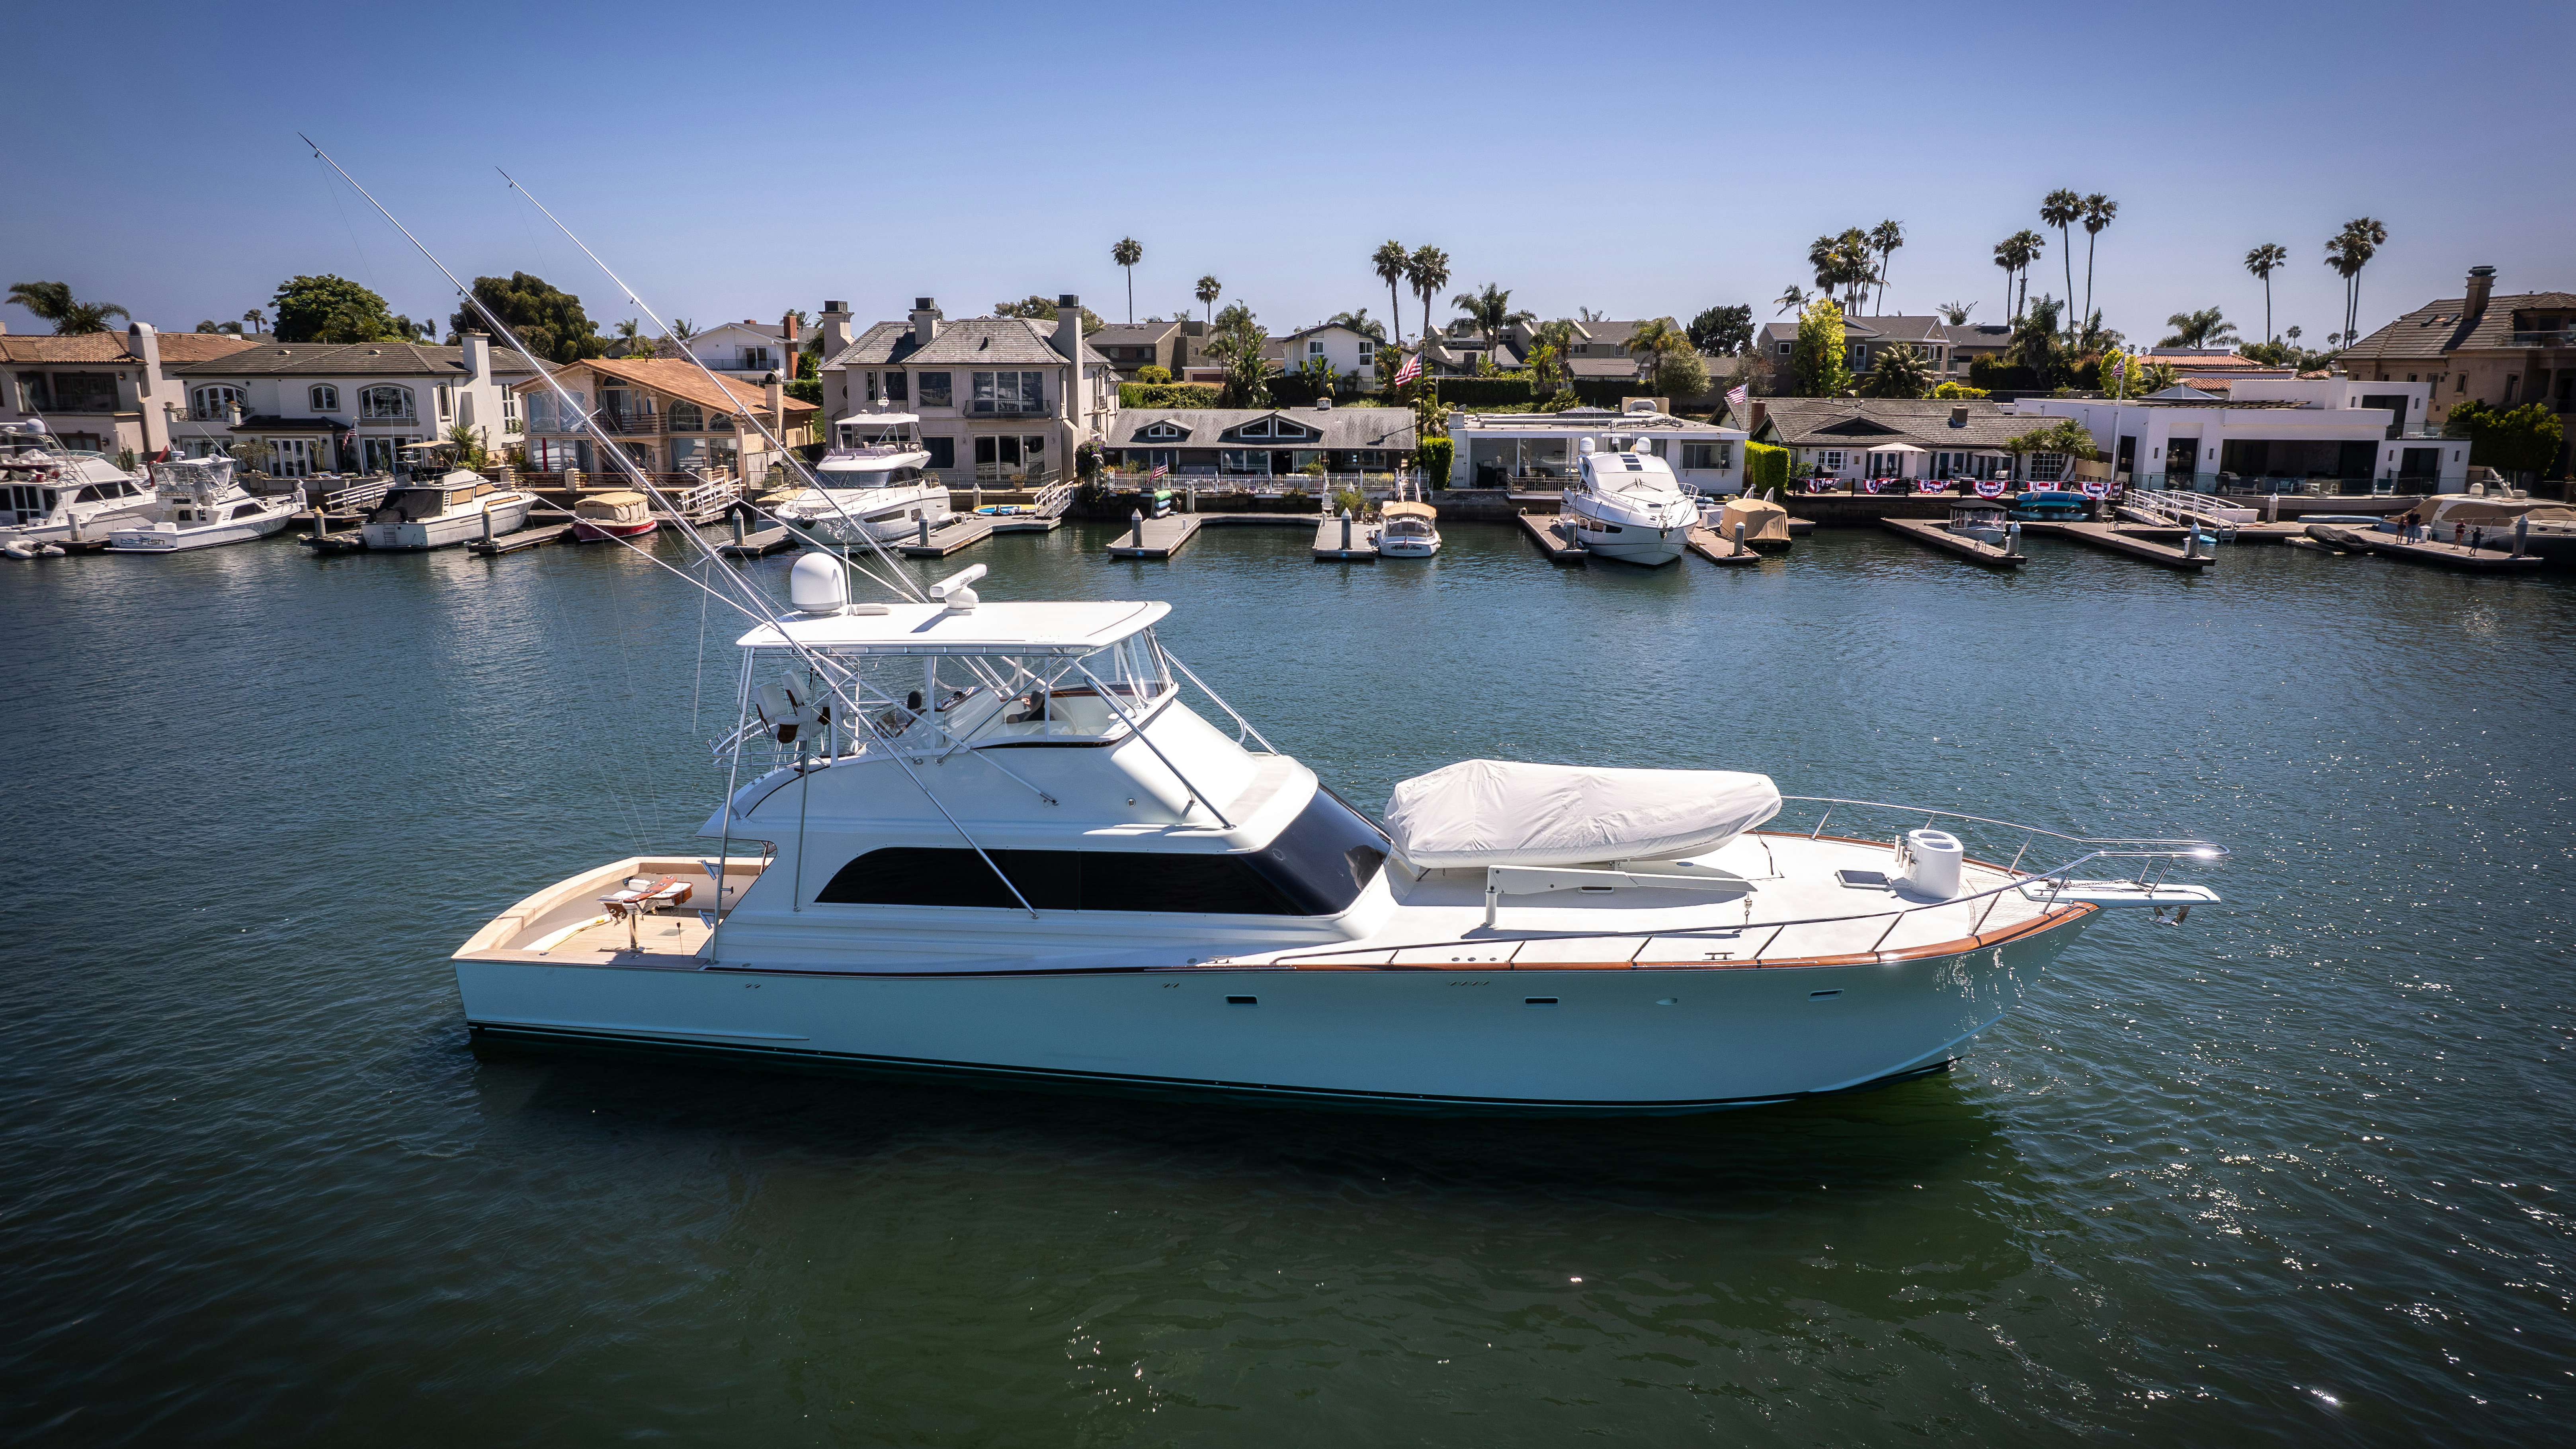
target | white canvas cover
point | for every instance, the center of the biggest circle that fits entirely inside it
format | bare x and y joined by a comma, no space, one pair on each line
1499,812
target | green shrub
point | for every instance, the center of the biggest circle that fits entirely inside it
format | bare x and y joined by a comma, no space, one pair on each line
1958,390
1993,374
1478,392
1153,372
1605,392
1432,456
1167,395
1765,468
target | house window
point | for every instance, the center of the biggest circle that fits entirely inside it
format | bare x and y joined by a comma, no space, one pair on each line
33,396
895,389
934,391
509,411
2512,380
1007,394
446,401
209,404
2047,467
1708,455
1785,348
322,397
872,387
1315,348
687,417
943,451
85,392
1243,460
1368,349
757,359
1165,430
385,402
1831,461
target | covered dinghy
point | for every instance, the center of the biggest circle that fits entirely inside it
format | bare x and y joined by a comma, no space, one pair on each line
1480,813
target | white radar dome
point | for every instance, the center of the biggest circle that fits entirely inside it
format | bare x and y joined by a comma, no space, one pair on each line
818,585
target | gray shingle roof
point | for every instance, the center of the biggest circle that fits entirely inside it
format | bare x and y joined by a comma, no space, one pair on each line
1868,422
973,342
2428,332
1918,330
1339,428
351,359
1132,334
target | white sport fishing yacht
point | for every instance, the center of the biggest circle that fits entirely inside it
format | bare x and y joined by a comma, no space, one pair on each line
202,506
1628,505
51,495
1035,862
874,481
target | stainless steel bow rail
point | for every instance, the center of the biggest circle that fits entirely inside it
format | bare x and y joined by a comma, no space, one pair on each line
2153,855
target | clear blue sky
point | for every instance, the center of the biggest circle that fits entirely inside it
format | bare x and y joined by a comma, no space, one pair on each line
1640,160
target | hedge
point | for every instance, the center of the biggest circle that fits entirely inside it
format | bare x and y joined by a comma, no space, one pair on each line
1476,392
1167,394
1432,456
1992,374
1765,468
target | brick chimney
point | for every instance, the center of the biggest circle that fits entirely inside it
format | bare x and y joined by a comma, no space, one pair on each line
925,321
2481,287
791,333
777,401
836,329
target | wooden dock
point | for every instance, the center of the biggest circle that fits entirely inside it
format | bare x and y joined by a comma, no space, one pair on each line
963,530
1025,522
1334,545
2242,533
1933,535
1801,527
1553,538
758,542
1706,543
519,540
1157,537
2104,535
2450,555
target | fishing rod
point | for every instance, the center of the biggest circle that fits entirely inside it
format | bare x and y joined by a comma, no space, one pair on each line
906,587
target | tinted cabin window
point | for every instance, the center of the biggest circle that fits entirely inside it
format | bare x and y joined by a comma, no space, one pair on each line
1316,867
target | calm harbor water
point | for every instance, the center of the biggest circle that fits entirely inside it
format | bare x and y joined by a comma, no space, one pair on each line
2297,1171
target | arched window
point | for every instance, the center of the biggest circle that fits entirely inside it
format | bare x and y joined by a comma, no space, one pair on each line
322,397
212,404
385,401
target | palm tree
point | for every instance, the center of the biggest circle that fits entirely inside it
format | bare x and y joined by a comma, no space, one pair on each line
1886,237
2015,254
2204,328
1900,371
2262,262
255,319
1792,298
682,329
629,332
2348,253
2062,209
1388,262
2098,212
1956,313
1491,310
2035,343
2292,333
53,302
1127,253
1209,289
1428,270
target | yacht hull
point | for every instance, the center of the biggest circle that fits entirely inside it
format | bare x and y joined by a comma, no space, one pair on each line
211,535
1539,1042
508,516
1633,544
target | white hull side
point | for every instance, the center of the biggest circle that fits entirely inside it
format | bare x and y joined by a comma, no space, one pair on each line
93,526
877,512
447,528
1439,1039
209,536
1407,549
1632,544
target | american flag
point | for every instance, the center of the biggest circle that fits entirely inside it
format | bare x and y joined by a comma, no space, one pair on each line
1160,470
1735,396
1412,369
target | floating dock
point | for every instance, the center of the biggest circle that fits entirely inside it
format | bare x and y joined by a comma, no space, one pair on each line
963,530
519,539
1933,535
1553,538
758,542
2451,555
1708,545
1157,537
2119,540
1345,540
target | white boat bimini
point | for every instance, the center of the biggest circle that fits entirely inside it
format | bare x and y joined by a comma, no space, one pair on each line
202,506
874,483
1408,527
1628,505
440,510
994,840
51,495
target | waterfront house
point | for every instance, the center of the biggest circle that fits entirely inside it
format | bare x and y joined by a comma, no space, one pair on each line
666,415
1460,351
2504,351
1352,353
2273,435
1537,451
1847,440
293,409
105,392
1947,349
1261,442
1001,399
1133,345
747,349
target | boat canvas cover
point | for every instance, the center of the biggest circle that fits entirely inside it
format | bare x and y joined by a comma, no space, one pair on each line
1763,520
1499,812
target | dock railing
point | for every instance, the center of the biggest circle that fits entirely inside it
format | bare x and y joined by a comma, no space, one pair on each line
2153,858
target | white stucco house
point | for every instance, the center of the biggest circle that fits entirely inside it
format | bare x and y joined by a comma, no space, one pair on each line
1353,354
747,349
999,398
334,407
2273,434
1538,450
105,392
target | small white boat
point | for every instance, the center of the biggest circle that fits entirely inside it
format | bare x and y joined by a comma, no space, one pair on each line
442,511
1407,527
201,506
51,495
1034,861
875,482
1977,519
1627,505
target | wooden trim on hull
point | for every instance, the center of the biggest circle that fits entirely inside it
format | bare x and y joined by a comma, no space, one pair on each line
1131,1085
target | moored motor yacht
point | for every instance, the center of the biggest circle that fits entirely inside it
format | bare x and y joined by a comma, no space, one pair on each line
52,495
874,482
617,513
442,509
201,506
1407,527
1627,505
1033,860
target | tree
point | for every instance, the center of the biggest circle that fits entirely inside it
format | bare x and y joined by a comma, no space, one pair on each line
1127,253
2099,211
335,309
1491,311
255,319
2512,441
1360,322
1818,358
1547,360
1899,372
2062,209
2350,251
1038,307
1428,270
2063,436
1238,341
629,338
2204,328
682,329
229,328
2036,344
1792,298
548,322
1722,331
53,302
2154,377
1885,238
2262,262
1842,265
2015,254
1956,313
1388,261
1680,373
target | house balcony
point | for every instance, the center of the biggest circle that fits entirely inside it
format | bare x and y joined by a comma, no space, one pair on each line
403,419
2562,337
630,425
990,409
